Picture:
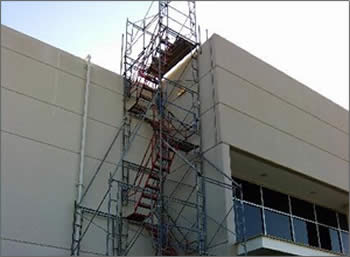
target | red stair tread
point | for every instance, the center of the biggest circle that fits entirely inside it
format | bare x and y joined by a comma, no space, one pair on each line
148,77
152,187
146,97
175,142
145,206
154,176
155,125
151,228
138,109
164,169
150,89
169,252
164,158
146,87
182,145
150,196
136,217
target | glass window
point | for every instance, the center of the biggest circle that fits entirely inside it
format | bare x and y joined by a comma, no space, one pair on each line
251,192
305,232
235,193
335,240
275,200
326,216
302,209
345,239
278,225
253,220
343,220
329,238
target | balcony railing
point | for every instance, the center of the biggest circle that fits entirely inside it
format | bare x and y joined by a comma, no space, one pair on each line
278,215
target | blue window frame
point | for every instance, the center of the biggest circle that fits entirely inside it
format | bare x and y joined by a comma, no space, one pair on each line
345,241
278,225
253,220
329,238
272,213
305,232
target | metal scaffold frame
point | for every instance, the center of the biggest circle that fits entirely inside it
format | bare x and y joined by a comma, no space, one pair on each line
137,193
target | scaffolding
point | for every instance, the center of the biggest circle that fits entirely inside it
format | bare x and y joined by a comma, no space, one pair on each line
138,194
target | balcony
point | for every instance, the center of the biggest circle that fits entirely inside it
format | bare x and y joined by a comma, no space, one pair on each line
267,245
281,224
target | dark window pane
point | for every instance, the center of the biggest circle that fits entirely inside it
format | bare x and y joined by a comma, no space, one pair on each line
329,238
275,200
302,209
251,192
343,220
278,225
235,193
305,232
325,238
326,216
253,220
345,239
300,230
335,240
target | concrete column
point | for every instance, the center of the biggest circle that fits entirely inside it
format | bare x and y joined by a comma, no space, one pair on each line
219,201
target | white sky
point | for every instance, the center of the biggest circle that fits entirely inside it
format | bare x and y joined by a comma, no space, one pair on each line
307,40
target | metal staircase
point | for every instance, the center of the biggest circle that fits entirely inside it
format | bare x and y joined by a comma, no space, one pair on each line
145,76
139,197
158,154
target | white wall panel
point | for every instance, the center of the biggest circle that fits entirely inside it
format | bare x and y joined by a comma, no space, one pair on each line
12,248
257,138
249,67
265,107
37,191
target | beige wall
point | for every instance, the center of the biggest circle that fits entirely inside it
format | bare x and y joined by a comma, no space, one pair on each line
265,112
245,103
42,100
248,105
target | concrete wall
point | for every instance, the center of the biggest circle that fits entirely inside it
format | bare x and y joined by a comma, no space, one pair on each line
249,105
245,103
42,104
264,112
42,100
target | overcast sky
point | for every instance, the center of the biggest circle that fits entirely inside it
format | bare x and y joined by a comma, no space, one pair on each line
307,40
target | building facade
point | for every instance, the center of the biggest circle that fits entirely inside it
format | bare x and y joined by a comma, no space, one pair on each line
285,143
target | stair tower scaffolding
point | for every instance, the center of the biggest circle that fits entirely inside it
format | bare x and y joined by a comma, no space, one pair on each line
146,84
140,200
